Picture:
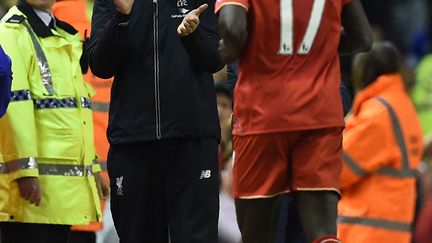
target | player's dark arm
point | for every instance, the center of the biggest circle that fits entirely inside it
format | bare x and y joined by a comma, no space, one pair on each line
202,44
233,29
357,32
107,47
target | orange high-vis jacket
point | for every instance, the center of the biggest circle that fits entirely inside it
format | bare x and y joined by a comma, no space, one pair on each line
74,12
383,146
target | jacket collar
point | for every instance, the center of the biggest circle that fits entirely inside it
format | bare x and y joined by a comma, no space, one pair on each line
47,18
38,25
384,83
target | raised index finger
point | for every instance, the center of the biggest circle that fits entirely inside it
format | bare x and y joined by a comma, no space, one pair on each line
201,9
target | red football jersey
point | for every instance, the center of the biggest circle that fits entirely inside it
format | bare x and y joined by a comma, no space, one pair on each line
289,75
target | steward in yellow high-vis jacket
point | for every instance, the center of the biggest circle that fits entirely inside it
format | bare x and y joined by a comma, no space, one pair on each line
47,175
74,12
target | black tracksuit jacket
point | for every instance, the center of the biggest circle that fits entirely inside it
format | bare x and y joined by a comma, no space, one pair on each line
163,85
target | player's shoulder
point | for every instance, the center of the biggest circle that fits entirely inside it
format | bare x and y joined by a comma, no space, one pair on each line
222,3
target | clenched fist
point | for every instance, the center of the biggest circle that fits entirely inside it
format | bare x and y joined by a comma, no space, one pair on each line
191,21
30,189
124,6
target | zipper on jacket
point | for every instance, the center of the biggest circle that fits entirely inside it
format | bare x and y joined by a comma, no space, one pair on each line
156,66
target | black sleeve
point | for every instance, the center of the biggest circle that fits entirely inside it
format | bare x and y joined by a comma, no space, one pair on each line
107,46
232,72
202,45
347,98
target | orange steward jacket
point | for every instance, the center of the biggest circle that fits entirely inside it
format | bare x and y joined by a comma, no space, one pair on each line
382,149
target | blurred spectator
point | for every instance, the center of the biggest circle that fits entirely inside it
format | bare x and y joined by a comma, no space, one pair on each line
400,20
108,233
224,105
378,11
382,149
5,81
408,19
428,149
48,179
421,94
423,230
228,229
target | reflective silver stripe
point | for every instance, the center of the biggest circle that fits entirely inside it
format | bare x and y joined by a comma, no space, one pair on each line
52,103
397,129
100,106
44,68
65,170
20,95
103,165
353,165
86,102
406,171
45,169
401,174
387,171
376,223
18,164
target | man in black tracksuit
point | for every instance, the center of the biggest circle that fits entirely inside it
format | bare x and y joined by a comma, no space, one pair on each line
163,122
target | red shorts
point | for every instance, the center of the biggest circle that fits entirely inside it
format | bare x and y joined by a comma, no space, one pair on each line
266,165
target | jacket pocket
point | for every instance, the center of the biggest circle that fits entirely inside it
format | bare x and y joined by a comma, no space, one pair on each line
59,133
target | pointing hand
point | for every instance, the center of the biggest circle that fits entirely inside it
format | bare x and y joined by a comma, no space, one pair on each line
191,21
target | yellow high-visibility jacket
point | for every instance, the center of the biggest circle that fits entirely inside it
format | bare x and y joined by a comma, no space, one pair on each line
47,131
74,12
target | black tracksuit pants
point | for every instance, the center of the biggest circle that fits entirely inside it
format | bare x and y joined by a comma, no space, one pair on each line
82,237
165,189
33,233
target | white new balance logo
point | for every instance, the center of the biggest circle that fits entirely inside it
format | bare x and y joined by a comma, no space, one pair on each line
205,174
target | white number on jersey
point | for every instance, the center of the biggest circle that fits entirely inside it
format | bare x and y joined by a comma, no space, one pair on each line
287,22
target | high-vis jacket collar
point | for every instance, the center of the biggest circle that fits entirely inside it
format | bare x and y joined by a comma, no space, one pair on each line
384,82
39,26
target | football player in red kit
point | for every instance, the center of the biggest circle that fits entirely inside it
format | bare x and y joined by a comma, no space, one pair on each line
288,116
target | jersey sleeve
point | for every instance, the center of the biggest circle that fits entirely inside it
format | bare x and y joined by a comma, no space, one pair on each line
242,3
